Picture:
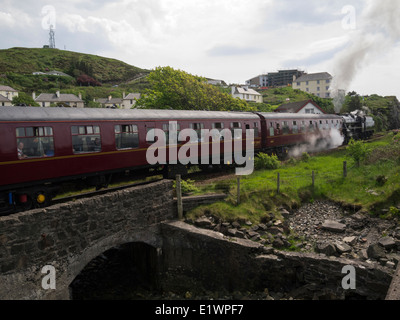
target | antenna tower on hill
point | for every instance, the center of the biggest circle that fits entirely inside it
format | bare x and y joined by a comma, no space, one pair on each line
52,41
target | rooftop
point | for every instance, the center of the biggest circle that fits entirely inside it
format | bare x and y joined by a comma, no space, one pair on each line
314,77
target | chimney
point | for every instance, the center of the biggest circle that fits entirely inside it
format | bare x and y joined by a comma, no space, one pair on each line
123,95
58,94
109,97
34,95
80,96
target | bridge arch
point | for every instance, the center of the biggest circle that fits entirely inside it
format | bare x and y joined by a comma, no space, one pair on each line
68,236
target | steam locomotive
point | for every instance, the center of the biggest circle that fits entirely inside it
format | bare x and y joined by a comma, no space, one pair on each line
42,148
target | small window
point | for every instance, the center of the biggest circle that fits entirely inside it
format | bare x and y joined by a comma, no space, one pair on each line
236,130
218,125
256,129
285,127
86,139
126,136
271,129
35,142
295,127
171,129
198,127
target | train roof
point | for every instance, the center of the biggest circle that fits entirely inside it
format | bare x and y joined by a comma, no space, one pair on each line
299,116
71,114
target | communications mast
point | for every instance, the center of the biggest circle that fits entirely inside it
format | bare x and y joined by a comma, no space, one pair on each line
52,41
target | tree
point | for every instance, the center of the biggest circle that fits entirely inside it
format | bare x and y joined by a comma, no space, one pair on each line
352,102
357,150
85,80
24,99
176,89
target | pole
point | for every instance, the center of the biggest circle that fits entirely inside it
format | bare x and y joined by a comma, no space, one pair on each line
238,190
345,169
313,179
179,196
278,183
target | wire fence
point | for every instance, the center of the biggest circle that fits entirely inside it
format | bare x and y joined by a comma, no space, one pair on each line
282,182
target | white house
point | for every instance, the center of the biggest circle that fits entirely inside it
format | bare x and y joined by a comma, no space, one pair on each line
129,100
302,107
247,94
8,93
315,83
46,99
4,102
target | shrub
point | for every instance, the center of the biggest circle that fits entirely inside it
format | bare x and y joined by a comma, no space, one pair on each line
187,186
305,157
265,161
357,150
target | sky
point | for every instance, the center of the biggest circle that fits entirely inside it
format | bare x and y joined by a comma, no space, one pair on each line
357,41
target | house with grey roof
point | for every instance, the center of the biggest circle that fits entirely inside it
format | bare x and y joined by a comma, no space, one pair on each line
5,102
7,94
247,94
48,99
109,102
301,107
314,83
129,100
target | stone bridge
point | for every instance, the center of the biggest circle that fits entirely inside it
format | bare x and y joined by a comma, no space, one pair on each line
69,236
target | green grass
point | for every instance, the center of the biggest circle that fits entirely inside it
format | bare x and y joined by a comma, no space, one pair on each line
259,196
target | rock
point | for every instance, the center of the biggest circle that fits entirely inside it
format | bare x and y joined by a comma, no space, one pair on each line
342,247
387,242
235,224
390,264
375,251
204,222
232,232
333,226
275,230
278,243
248,223
350,240
326,248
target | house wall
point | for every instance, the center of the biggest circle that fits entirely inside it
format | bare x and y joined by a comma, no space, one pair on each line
310,108
320,88
9,94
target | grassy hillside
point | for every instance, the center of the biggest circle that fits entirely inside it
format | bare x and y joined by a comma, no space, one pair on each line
28,60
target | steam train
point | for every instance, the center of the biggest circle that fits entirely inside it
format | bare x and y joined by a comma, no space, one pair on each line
42,148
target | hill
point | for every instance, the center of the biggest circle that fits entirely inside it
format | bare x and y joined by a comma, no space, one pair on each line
29,60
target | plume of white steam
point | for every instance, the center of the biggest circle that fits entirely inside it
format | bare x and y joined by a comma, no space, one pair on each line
314,144
377,29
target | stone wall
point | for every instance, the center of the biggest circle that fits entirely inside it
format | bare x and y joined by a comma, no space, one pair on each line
199,259
68,236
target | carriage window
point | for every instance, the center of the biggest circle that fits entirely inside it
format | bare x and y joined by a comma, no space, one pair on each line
126,136
295,127
172,129
285,128
197,127
303,126
35,142
255,129
311,127
86,139
236,134
271,129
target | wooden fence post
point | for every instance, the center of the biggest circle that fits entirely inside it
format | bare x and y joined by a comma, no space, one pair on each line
179,196
238,191
313,179
278,183
345,169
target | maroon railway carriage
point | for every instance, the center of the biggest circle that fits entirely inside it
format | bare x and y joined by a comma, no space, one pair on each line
43,147
282,131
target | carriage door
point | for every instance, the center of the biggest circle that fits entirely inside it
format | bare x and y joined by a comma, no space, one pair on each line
150,138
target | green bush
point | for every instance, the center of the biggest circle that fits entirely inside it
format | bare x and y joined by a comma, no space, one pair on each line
305,157
357,150
187,186
265,161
